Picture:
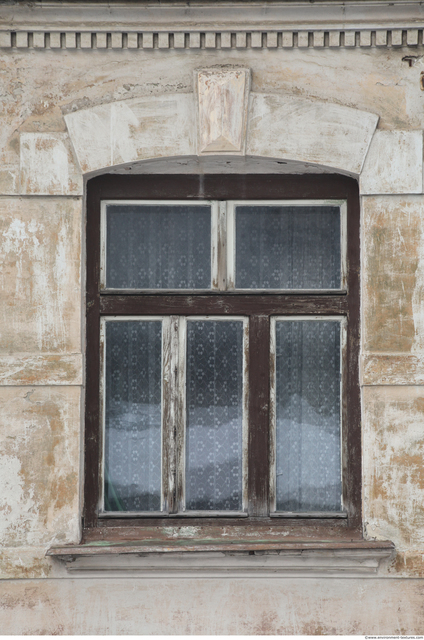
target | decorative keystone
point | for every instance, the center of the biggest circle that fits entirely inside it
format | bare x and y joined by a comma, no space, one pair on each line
223,99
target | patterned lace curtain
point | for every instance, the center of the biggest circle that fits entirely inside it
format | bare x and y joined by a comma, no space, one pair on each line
158,247
308,415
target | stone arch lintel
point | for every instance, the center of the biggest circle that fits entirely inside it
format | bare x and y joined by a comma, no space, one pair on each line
278,126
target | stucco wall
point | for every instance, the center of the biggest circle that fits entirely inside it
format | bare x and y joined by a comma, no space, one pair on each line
68,111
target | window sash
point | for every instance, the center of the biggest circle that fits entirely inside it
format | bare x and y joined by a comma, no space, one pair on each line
216,242
223,243
231,206
273,413
174,415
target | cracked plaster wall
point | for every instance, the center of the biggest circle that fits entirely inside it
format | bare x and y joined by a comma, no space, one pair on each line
41,223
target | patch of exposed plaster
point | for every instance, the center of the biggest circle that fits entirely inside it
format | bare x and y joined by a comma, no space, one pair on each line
393,468
39,462
40,254
16,500
23,247
418,296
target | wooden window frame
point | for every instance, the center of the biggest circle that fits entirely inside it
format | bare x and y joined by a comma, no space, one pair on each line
258,308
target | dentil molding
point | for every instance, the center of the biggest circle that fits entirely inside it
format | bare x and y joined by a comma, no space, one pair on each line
251,25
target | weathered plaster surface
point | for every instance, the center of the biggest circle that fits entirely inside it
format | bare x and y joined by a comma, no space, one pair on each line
398,369
393,286
133,130
394,163
120,106
41,369
299,129
393,472
40,281
212,607
39,465
393,491
26,563
48,166
37,86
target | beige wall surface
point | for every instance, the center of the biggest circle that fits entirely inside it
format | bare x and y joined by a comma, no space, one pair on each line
212,607
66,111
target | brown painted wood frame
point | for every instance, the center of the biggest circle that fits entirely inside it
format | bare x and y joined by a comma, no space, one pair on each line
259,308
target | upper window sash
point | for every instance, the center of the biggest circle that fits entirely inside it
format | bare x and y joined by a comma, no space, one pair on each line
274,241
139,253
233,233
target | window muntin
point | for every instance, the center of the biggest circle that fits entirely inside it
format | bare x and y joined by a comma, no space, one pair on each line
306,431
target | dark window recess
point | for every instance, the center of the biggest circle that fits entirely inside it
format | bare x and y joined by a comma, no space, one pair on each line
222,356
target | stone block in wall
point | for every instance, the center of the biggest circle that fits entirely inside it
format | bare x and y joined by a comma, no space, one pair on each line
9,180
48,166
394,163
392,369
393,450
136,129
40,281
89,130
39,465
309,131
23,563
392,274
41,369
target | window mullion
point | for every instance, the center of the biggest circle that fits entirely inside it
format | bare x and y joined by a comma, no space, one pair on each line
180,389
272,420
218,249
258,456
170,413
231,246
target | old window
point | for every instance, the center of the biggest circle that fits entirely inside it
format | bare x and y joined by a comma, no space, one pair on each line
222,348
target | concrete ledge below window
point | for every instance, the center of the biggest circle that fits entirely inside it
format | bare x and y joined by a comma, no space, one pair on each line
322,559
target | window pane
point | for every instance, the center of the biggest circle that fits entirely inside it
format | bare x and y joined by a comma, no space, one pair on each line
158,246
287,247
214,415
308,416
133,416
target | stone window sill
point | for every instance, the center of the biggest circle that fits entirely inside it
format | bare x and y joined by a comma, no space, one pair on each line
256,560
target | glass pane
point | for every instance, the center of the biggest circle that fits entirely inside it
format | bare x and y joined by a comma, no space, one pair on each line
162,246
287,247
308,416
133,416
214,415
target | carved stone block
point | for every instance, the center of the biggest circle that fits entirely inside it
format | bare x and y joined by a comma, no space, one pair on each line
223,96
